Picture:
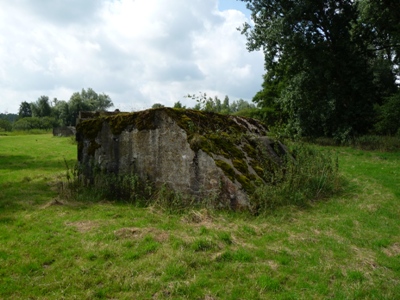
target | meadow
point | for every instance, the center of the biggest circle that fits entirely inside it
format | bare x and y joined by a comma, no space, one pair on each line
344,247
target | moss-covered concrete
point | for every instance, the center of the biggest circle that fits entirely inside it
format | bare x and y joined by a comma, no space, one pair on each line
238,146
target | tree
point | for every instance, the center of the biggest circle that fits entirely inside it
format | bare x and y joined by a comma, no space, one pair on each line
61,113
41,108
25,110
86,100
380,26
225,109
97,102
76,104
317,70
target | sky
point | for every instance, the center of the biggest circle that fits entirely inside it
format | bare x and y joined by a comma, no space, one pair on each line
139,52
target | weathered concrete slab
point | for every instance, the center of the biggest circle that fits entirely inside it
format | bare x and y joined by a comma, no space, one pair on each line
200,154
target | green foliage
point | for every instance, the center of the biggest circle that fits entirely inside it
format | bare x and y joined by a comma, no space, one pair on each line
178,104
41,108
61,111
5,125
65,113
30,123
209,104
25,110
388,119
9,117
86,100
309,175
327,63
157,105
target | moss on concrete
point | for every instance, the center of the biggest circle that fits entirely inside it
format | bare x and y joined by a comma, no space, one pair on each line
245,182
240,165
227,168
215,134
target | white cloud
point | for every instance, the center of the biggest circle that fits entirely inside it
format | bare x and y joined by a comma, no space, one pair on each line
138,51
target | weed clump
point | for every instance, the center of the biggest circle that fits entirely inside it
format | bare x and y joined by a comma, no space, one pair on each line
102,186
131,189
309,175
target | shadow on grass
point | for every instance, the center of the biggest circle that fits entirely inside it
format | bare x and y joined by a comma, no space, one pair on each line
24,194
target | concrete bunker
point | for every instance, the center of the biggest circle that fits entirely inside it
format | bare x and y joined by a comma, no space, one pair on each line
196,153
64,131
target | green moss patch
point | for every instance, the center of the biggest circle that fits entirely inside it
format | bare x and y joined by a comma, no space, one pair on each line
240,165
245,182
228,170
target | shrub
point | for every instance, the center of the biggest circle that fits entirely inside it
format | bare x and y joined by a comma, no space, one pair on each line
389,116
5,125
30,123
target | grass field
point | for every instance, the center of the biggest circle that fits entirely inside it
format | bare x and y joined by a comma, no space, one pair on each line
347,247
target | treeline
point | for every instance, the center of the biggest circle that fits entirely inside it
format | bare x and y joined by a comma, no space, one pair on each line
46,114
332,66
214,104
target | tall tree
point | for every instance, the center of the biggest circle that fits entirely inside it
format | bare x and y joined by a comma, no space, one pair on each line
86,100
96,101
41,108
76,104
380,26
25,110
225,109
61,113
317,70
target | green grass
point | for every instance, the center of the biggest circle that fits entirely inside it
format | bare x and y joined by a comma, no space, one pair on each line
346,247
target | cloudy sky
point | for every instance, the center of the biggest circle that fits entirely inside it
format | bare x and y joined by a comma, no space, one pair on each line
139,52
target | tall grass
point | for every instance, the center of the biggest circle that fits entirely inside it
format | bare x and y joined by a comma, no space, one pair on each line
129,189
306,175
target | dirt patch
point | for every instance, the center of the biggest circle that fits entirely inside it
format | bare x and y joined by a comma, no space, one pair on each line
393,250
137,233
198,217
273,265
83,226
54,202
125,233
